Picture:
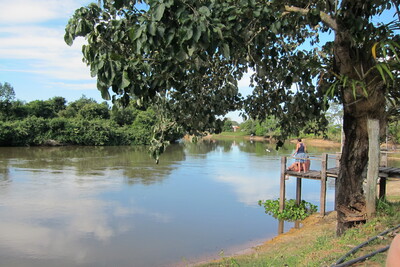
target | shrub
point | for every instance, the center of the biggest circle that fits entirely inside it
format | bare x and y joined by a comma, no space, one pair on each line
292,211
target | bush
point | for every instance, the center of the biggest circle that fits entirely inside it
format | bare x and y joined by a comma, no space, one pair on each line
292,211
83,122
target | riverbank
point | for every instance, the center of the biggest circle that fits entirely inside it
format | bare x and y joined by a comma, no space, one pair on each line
309,141
315,242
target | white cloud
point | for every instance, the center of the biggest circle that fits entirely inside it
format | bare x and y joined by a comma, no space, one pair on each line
75,86
44,52
251,189
35,11
244,84
32,43
26,229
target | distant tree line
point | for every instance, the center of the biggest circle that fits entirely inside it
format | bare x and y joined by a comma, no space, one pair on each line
269,127
81,122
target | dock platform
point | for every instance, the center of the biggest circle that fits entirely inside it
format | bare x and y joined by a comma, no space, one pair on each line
322,175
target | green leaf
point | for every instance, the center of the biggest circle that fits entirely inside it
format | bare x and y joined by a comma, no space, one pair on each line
331,89
181,55
159,12
232,17
219,32
170,36
138,45
104,91
189,34
392,46
125,80
386,68
204,11
152,28
161,31
379,68
226,51
191,50
196,34
69,40
344,81
364,88
354,86
134,33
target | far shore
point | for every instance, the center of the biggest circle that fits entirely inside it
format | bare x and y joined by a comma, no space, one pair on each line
318,142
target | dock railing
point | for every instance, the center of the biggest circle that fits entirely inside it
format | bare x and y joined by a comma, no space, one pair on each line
325,172
310,174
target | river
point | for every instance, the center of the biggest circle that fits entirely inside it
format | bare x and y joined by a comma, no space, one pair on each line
113,206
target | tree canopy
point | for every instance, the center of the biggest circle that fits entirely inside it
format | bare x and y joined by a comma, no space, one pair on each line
6,92
190,54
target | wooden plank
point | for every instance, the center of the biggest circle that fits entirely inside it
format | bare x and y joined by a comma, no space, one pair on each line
298,191
282,184
373,166
323,183
388,169
382,188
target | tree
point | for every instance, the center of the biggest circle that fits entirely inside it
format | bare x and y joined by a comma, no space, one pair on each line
40,108
6,92
124,115
73,108
228,126
191,53
58,103
95,111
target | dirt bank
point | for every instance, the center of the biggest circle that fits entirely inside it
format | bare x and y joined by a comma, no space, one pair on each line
318,142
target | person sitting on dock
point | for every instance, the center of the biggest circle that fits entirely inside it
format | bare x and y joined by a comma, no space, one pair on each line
301,156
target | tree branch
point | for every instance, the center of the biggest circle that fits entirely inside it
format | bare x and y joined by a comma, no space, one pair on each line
325,18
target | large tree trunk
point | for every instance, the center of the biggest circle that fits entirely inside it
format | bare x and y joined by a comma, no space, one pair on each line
350,194
350,199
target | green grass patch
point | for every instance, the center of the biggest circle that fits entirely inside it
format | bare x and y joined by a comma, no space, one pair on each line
229,134
318,244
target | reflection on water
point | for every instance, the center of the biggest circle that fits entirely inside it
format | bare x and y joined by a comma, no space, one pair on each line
103,206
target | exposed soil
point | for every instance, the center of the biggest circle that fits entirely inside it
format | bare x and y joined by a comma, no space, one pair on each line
393,187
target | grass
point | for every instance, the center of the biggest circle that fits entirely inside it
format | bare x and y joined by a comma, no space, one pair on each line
316,243
230,134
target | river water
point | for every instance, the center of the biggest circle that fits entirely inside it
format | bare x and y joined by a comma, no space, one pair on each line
113,206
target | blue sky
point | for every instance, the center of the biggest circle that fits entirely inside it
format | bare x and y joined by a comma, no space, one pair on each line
34,58
37,62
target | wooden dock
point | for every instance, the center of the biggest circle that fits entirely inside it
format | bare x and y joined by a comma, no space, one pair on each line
333,172
322,175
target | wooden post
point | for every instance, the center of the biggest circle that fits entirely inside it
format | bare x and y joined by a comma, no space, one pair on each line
281,227
382,188
373,166
323,184
283,185
338,155
298,191
384,158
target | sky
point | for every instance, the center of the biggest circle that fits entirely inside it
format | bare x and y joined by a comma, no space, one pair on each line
37,62
34,58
